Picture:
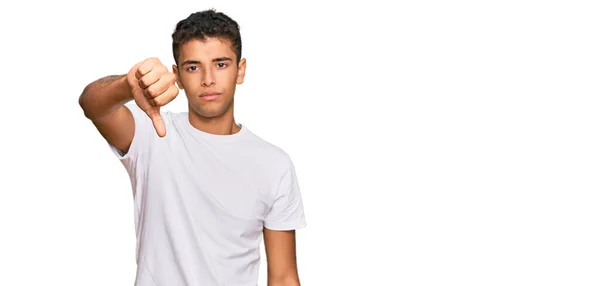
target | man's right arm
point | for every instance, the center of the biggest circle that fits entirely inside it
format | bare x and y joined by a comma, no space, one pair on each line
149,83
103,102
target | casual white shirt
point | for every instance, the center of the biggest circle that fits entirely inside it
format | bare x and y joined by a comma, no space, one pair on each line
201,201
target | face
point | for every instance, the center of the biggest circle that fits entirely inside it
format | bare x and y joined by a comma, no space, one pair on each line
208,73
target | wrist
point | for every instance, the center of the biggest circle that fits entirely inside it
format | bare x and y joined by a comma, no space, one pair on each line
124,89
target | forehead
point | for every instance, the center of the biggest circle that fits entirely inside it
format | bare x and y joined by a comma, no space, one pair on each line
205,50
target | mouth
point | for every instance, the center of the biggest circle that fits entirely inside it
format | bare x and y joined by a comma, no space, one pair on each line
209,95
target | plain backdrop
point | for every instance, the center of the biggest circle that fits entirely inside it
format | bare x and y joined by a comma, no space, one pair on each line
436,142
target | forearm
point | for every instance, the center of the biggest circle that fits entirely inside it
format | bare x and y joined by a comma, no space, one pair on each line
283,281
105,95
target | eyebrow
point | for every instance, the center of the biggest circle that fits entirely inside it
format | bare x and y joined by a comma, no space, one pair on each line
193,62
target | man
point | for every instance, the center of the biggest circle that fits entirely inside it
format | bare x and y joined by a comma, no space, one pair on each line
206,189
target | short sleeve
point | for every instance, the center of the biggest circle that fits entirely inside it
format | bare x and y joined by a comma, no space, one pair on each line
141,138
287,210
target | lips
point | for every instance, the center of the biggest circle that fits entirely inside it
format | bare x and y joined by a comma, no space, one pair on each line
209,95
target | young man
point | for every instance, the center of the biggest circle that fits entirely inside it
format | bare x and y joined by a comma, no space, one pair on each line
206,189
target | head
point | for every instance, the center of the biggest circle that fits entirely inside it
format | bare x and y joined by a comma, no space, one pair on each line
207,49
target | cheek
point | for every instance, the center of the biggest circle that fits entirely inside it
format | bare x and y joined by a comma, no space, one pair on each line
227,77
190,82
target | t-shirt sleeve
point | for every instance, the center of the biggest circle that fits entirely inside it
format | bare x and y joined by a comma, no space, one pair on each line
287,210
141,139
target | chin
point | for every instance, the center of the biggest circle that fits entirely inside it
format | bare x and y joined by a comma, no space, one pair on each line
209,112
212,109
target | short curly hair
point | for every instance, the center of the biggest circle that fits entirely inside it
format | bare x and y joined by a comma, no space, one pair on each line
207,24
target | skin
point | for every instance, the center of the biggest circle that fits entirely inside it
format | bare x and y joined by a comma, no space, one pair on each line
203,66
280,249
210,66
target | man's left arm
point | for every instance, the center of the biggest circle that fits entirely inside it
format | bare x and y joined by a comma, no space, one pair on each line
280,249
284,218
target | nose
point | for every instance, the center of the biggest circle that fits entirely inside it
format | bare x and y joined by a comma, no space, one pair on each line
208,79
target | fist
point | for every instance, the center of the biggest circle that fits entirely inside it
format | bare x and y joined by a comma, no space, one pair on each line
152,86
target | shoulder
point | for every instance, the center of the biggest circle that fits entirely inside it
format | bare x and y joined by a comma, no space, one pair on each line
145,127
270,152
140,116
268,148
172,117
135,108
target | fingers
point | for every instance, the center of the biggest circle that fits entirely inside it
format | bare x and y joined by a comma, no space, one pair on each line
149,78
157,121
153,86
159,83
154,112
165,97
147,66
155,81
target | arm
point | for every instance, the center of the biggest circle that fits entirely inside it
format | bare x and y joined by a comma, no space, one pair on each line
280,249
102,101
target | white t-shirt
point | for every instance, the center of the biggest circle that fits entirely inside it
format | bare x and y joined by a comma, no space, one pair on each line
201,202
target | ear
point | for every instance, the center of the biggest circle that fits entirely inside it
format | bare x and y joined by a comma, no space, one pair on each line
177,81
241,71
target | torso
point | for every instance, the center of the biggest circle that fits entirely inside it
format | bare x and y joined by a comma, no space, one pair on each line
201,202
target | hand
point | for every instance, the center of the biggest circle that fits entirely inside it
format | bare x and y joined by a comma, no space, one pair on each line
152,86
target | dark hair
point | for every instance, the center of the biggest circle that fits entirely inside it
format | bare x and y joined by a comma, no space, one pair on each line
207,24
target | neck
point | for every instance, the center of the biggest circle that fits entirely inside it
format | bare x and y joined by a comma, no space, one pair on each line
221,125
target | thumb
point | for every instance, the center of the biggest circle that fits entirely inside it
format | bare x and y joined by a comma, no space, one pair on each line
157,121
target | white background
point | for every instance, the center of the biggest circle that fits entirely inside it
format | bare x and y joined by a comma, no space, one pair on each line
438,143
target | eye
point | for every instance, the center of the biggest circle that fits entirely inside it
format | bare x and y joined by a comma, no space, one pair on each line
221,65
192,68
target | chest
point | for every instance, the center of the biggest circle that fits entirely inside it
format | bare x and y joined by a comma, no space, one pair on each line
209,182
